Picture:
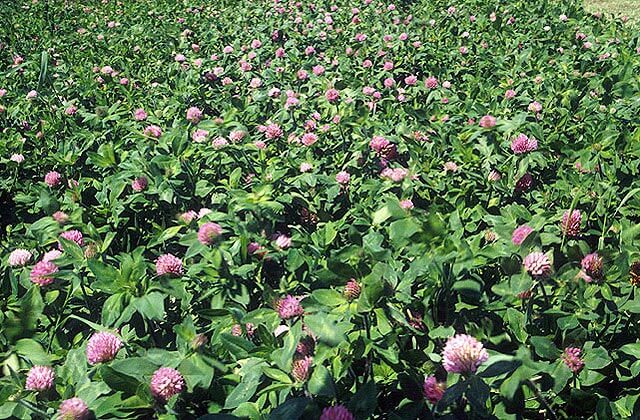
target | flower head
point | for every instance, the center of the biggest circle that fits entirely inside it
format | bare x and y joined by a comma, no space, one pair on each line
523,144
411,80
352,289
395,174
450,166
19,257
309,139
463,354
301,368
53,178
51,255
494,176
273,131
487,121
203,212
40,378
199,136
283,241
73,409
194,114
490,236
570,224
139,184
572,358
60,217
140,114
431,82
169,264
378,144
433,390
72,235
103,347
343,177
332,95
165,383
153,131
289,307
592,267
42,273
236,330
406,204
634,273
535,106
537,264
337,412
208,232
520,234
524,183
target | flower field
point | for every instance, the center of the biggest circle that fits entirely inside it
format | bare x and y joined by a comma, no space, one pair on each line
318,209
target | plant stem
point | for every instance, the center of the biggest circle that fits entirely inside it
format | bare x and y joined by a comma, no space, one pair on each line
534,388
32,407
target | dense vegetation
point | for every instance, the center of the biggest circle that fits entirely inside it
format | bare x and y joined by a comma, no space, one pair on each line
269,209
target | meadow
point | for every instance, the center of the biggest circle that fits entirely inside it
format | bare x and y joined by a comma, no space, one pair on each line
319,209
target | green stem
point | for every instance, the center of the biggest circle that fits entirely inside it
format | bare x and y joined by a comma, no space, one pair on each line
58,321
536,391
544,293
32,407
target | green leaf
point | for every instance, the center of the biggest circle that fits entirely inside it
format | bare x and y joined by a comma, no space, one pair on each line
515,320
283,355
453,394
237,346
71,249
500,367
44,66
561,375
327,328
292,409
544,347
242,392
151,306
603,409
33,351
442,332
96,327
631,349
590,377
137,367
520,282
321,382
328,297
277,375
112,308
512,383
196,372
567,322
24,322
478,394
165,236
381,215
102,271
118,381
364,402
403,229
596,358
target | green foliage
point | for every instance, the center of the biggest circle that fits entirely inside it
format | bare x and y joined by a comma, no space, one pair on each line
387,214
